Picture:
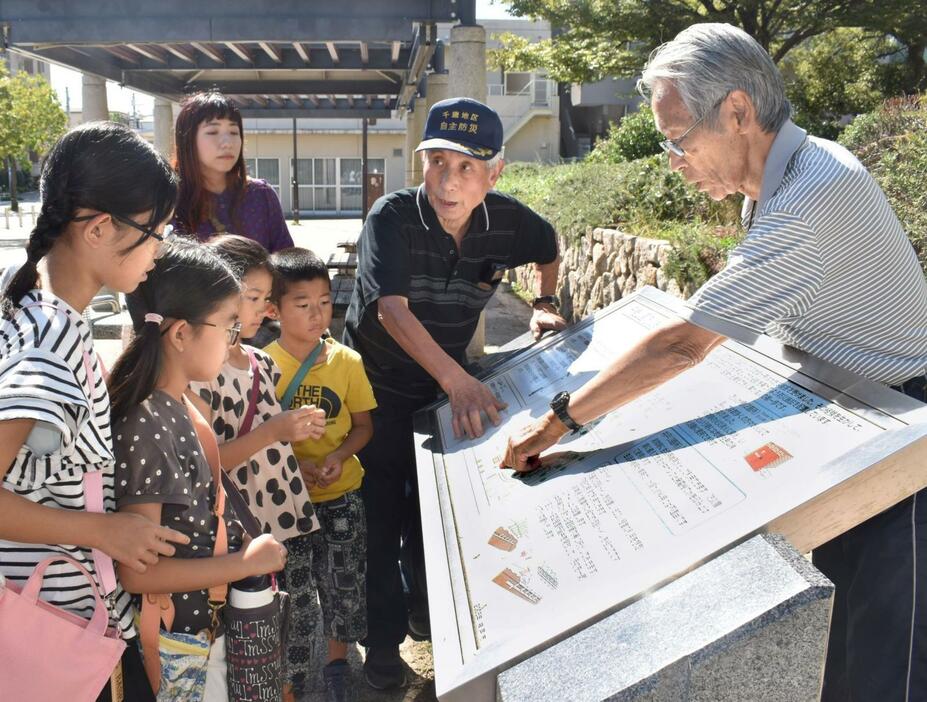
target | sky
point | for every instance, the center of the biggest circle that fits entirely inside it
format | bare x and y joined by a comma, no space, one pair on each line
67,83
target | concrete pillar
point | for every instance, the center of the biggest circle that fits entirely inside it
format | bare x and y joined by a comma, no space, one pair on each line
467,65
93,99
437,88
467,78
415,125
164,127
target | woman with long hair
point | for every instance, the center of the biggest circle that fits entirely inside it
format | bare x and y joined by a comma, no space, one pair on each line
216,194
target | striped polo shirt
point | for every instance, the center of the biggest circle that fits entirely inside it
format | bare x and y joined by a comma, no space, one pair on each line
826,266
45,352
404,251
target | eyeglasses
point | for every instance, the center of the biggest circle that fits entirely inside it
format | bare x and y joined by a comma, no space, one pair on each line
672,146
148,232
232,332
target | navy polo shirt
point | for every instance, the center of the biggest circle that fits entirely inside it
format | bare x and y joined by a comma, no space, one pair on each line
404,251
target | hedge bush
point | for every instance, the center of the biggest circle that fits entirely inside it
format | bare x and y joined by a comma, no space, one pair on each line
644,194
643,197
635,136
892,143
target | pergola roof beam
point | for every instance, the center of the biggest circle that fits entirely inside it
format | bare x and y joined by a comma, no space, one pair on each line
333,52
122,53
240,51
209,50
423,48
295,85
271,51
150,52
301,50
181,52
316,112
172,47
349,59
208,21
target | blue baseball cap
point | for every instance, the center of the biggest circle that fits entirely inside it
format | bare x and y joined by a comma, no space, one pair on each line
463,125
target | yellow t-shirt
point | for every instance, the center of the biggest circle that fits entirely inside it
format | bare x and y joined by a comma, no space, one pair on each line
338,385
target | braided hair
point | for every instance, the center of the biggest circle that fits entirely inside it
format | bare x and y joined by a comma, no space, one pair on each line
101,166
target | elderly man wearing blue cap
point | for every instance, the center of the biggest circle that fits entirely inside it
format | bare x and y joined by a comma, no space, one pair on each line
429,259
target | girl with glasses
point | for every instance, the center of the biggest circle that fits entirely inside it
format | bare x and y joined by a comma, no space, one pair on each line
255,441
189,307
100,184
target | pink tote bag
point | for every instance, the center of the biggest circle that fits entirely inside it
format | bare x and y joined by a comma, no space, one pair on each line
47,653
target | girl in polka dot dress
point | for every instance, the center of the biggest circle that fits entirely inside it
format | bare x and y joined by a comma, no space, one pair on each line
190,305
254,436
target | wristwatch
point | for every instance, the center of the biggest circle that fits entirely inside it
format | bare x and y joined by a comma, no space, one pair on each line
559,405
546,300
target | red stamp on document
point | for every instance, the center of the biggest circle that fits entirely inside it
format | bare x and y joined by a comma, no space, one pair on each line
767,456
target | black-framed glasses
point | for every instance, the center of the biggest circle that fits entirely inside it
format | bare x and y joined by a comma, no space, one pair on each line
672,146
231,332
147,231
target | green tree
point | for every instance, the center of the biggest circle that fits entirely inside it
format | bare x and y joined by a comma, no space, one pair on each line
823,89
599,38
908,26
31,119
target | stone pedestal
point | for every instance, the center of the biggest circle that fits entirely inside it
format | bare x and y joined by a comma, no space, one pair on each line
467,65
477,347
164,127
751,624
415,124
93,99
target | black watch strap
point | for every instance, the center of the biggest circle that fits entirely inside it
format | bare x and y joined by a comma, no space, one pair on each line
559,406
546,300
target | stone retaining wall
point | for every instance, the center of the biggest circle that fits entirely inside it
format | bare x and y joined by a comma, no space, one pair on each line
604,266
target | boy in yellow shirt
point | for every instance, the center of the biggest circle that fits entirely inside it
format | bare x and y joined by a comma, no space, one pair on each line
323,372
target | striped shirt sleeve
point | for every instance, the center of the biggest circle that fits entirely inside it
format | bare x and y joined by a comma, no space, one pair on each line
773,276
37,384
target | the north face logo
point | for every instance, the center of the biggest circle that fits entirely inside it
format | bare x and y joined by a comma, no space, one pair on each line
320,396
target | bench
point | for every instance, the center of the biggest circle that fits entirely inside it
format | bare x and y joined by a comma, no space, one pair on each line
342,289
344,263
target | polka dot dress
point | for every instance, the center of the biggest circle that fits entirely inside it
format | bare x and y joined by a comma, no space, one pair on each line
270,480
159,460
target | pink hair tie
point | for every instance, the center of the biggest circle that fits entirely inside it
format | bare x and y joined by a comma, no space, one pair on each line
154,318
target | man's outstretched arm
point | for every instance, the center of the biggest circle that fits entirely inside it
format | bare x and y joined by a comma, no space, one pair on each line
658,357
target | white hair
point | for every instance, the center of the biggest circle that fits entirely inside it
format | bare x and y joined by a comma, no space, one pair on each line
708,61
495,160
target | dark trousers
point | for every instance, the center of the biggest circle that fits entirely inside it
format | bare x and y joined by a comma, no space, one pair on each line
877,650
394,527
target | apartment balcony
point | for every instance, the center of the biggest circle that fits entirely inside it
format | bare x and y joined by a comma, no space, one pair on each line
521,98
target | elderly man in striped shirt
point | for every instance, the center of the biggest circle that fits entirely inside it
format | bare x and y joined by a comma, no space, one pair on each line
826,268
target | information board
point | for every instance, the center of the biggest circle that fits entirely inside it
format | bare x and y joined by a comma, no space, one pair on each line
744,439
